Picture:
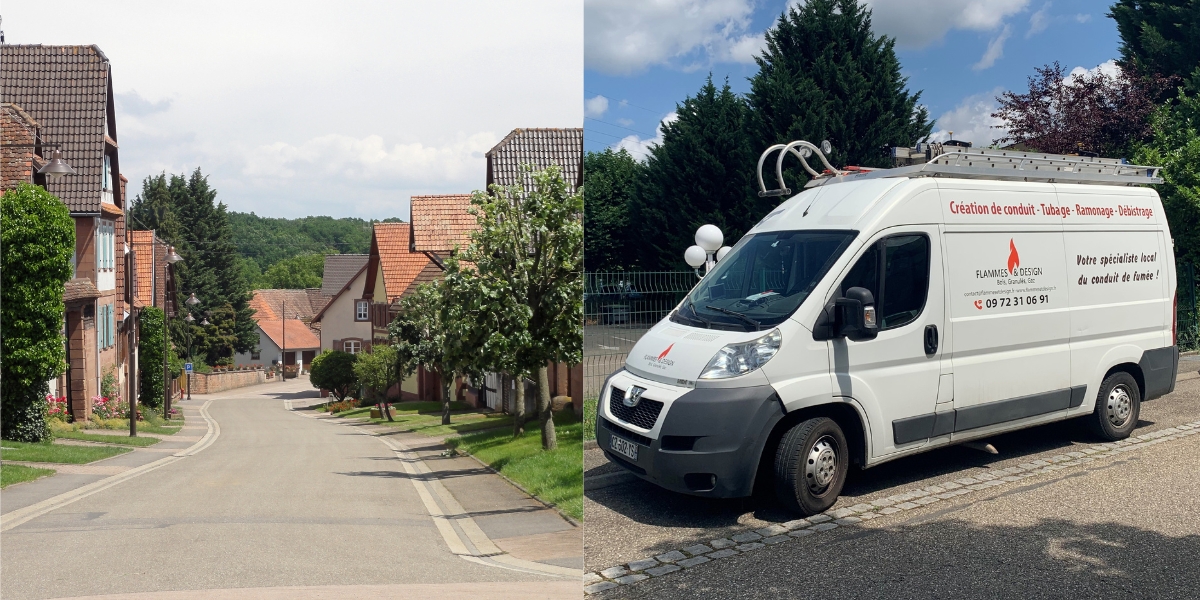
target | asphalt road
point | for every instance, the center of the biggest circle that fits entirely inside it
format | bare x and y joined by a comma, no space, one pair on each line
1146,502
1124,529
277,500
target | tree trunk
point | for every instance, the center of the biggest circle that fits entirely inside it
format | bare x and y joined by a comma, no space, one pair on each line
519,407
387,409
545,412
446,385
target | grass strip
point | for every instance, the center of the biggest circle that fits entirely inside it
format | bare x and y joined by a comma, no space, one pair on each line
56,453
431,425
10,474
555,476
590,406
119,439
405,408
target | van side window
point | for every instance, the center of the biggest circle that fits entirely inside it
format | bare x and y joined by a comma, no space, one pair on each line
901,288
905,280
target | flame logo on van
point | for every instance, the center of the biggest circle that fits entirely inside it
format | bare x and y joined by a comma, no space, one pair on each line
664,352
1014,260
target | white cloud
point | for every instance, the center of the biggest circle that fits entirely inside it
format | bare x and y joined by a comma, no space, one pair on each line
316,111
623,37
595,106
1039,21
972,120
918,23
1083,18
995,50
640,148
623,122
1108,68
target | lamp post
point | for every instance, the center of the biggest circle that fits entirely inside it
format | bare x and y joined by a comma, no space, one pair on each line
172,258
192,302
708,249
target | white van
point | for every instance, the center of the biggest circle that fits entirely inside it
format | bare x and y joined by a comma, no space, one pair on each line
881,314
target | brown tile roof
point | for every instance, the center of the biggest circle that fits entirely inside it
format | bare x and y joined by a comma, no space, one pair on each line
269,304
400,266
66,88
339,270
17,128
299,337
80,288
540,148
144,246
316,299
431,272
440,223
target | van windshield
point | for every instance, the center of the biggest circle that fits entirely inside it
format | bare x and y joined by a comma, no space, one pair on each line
763,279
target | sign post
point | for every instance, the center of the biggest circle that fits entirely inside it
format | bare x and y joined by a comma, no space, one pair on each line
187,368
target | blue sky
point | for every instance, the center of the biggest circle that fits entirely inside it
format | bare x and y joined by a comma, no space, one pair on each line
642,57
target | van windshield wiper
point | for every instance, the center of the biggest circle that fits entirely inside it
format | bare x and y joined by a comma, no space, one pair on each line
692,305
757,326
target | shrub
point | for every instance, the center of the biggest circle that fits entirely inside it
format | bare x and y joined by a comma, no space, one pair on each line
113,407
333,370
57,409
341,405
38,237
150,357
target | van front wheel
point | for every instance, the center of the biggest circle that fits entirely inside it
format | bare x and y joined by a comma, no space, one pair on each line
810,466
1117,407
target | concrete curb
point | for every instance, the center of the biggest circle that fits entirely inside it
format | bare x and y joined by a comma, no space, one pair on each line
562,514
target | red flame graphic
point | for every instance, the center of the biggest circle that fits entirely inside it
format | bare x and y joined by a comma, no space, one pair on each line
1014,260
664,352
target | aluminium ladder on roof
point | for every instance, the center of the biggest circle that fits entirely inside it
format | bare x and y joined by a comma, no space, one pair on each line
978,163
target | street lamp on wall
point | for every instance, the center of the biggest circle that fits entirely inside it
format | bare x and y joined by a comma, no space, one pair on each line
191,302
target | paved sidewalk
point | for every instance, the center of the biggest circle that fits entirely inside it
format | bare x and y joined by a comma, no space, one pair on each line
518,524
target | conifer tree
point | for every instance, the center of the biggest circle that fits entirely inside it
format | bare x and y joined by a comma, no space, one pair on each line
825,76
702,172
610,178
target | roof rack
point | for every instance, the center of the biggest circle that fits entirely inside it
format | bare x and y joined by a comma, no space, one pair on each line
971,163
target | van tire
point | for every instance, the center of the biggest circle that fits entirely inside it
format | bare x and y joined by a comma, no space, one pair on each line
810,466
1118,406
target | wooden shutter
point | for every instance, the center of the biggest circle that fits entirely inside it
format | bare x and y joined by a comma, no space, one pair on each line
337,345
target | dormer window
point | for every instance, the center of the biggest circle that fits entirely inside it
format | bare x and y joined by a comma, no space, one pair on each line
107,181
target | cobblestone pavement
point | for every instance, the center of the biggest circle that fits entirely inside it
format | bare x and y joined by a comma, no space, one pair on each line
637,531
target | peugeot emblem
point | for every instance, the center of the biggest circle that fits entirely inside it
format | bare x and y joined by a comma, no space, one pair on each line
633,395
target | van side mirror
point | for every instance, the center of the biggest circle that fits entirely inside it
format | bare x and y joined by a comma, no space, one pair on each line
855,315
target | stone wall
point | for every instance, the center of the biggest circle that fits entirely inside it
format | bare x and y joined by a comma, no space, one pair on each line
212,383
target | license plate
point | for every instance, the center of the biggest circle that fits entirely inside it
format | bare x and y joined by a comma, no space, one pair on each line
625,448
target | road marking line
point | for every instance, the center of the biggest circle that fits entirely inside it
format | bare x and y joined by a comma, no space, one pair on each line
33,511
431,490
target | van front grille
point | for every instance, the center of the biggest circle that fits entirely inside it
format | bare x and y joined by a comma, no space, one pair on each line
644,415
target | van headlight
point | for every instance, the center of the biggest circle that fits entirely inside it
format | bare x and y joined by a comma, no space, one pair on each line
739,359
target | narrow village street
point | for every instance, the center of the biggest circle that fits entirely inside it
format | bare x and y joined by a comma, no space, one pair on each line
256,499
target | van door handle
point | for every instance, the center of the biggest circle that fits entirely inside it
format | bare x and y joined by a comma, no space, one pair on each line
931,340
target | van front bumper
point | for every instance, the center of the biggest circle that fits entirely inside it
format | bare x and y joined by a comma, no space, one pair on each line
709,442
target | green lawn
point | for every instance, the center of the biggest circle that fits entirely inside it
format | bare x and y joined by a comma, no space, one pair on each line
10,474
431,424
555,476
405,408
108,438
160,429
56,453
589,418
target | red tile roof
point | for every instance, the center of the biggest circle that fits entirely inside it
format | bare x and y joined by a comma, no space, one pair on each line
143,245
440,223
400,266
269,304
299,337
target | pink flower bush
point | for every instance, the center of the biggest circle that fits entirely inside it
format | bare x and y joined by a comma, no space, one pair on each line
57,407
109,408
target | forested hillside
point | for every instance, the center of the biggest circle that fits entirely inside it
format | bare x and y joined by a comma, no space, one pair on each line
286,253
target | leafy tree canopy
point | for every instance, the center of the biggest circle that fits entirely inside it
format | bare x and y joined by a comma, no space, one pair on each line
1175,146
333,370
610,178
1064,114
825,76
295,273
38,238
703,172
1158,37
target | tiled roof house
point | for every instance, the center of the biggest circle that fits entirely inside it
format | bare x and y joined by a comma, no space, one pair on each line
65,97
539,148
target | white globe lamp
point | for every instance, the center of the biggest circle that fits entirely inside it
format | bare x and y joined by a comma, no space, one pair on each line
722,252
695,256
709,238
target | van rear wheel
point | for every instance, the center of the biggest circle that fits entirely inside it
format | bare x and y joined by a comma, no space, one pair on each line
1117,407
810,466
